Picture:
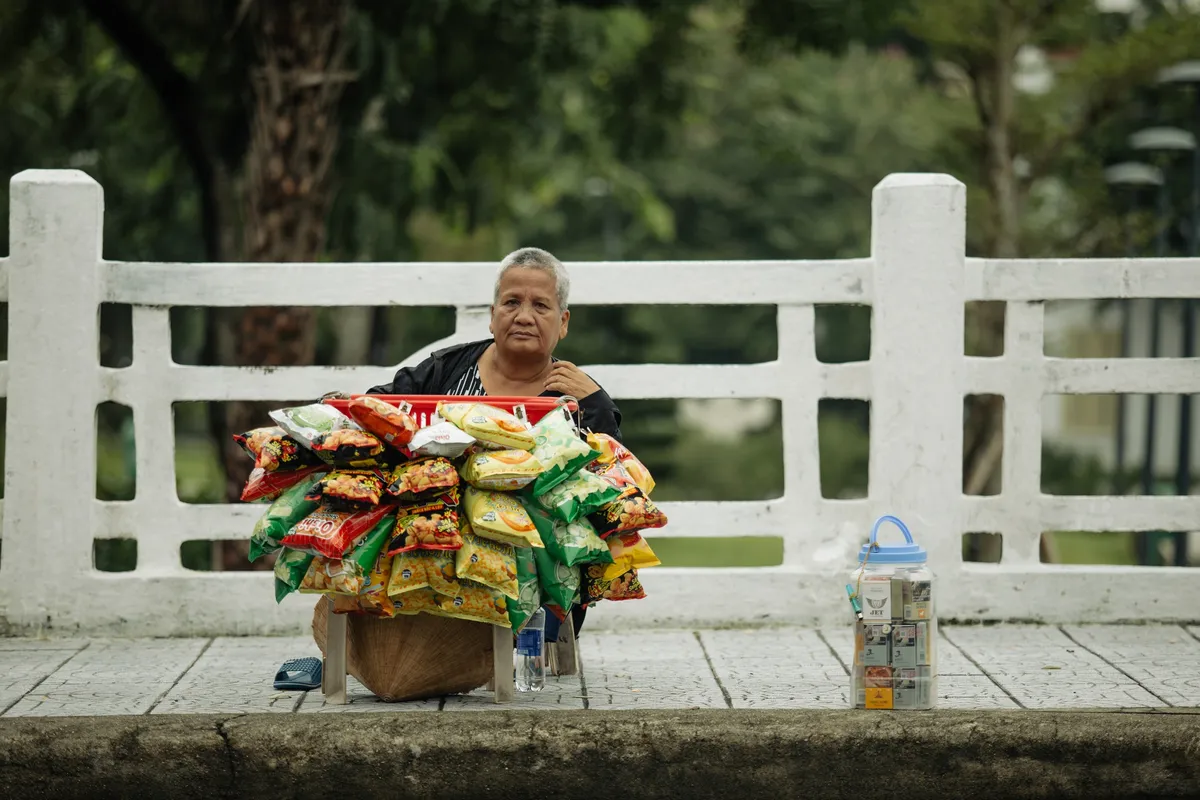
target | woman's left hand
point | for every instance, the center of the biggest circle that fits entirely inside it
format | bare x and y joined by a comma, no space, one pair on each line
566,378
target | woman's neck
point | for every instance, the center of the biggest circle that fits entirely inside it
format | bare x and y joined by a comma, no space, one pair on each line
518,371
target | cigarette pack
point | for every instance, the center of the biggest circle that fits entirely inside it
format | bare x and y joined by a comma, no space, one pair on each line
878,687
882,598
906,693
904,646
923,645
918,600
876,651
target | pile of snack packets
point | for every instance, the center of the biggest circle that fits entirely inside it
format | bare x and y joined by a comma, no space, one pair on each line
477,516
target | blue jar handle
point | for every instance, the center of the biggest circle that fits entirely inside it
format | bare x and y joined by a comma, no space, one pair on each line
895,521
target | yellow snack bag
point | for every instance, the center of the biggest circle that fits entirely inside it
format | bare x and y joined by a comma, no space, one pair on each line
628,550
612,451
420,569
475,602
499,517
416,601
493,564
374,598
488,424
501,470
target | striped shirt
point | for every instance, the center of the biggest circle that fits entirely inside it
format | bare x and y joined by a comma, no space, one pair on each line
471,385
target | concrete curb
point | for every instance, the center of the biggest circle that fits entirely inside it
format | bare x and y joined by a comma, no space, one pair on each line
692,754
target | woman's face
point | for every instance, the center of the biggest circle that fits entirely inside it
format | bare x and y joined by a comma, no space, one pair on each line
526,319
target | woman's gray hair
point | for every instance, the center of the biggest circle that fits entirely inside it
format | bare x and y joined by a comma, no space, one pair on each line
536,258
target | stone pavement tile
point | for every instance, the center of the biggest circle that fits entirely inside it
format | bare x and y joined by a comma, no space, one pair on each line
1042,668
235,675
359,699
651,669
777,668
41,645
1164,659
120,676
961,684
562,693
22,669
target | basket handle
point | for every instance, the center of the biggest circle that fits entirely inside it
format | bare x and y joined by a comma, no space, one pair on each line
895,521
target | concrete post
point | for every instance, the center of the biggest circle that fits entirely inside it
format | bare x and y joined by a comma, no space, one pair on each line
918,237
55,230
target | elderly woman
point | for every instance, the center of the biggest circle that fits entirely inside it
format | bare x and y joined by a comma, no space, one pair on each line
529,318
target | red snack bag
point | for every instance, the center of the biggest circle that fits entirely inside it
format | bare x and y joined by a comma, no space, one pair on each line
417,477
347,445
264,485
434,525
348,489
632,511
272,449
330,533
391,424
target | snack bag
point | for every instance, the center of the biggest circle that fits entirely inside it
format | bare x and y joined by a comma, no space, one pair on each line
417,477
290,569
499,517
529,593
597,587
440,439
632,511
559,449
349,446
420,569
501,470
415,601
432,525
476,602
347,575
570,543
560,583
349,489
391,424
613,451
629,550
263,485
306,423
330,533
493,564
578,496
488,424
272,449
374,598
290,507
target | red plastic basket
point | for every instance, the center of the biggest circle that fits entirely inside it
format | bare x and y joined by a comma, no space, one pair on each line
425,405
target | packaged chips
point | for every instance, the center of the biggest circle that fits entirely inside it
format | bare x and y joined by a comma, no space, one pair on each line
290,569
416,601
263,485
473,601
347,575
391,424
559,583
578,496
631,511
570,543
499,517
273,450
290,507
597,587
431,525
501,470
559,450
349,489
331,533
529,593
306,424
494,564
440,439
414,478
629,550
488,424
612,451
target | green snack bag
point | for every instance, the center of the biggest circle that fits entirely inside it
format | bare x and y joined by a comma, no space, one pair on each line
560,583
290,569
570,543
288,509
529,596
348,575
579,495
559,449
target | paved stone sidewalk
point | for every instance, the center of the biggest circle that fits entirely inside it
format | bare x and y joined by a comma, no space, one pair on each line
980,667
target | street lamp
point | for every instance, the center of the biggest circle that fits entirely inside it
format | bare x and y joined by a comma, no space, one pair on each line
1187,73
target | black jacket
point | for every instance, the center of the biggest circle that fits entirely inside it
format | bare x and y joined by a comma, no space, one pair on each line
440,373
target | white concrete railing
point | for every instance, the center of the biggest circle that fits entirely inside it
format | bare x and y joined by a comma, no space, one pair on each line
917,281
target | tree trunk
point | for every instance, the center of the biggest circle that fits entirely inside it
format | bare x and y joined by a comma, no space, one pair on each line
287,189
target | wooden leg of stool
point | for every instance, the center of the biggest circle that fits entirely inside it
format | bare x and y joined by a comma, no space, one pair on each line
566,649
502,664
333,670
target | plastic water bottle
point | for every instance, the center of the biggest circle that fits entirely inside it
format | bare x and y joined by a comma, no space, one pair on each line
531,654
